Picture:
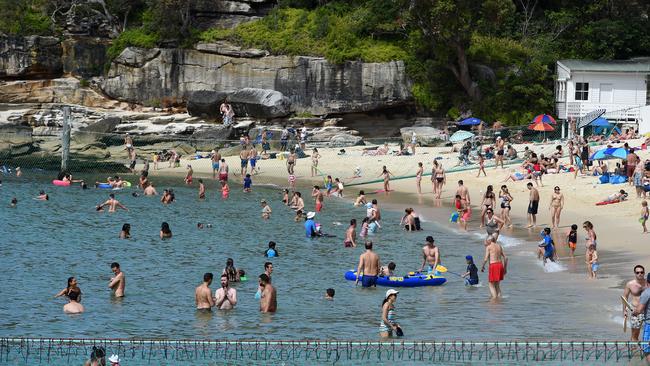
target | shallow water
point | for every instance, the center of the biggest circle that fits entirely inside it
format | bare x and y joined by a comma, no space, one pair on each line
42,243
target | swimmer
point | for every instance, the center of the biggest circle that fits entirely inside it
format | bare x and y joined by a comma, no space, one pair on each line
300,216
188,176
387,271
203,295
225,190
150,191
118,282
201,190
225,298
126,231
13,203
351,235
231,271
329,294
292,182
365,225
268,302
112,204
266,210
271,252
310,226
165,231
285,196
319,196
248,182
42,196
297,202
135,194
498,266
73,307
361,199
73,286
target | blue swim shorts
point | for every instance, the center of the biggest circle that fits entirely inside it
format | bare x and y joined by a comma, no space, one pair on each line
215,166
646,338
368,281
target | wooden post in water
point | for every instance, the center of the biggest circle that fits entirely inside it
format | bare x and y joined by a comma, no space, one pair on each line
65,137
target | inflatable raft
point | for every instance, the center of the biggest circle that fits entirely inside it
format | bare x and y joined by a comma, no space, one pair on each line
61,183
108,185
415,280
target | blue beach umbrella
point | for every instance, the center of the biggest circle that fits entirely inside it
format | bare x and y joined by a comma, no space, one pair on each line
610,153
459,136
472,121
600,122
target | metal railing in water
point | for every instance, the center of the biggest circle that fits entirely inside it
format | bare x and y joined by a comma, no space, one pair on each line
71,351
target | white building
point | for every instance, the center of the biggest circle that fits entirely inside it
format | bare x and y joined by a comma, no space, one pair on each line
622,88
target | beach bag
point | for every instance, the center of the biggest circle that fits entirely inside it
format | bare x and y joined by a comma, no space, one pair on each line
454,217
617,179
604,179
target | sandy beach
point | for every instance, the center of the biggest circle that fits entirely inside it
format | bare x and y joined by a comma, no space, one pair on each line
616,225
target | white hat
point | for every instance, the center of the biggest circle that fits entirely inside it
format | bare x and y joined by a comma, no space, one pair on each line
114,359
311,214
391,292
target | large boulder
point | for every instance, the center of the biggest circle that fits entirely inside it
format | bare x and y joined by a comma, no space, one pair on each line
312,84
259,103
344,140
15,139
425,136
205,104
84,56
32,57
229,49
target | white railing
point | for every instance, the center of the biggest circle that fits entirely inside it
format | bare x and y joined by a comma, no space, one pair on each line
614,111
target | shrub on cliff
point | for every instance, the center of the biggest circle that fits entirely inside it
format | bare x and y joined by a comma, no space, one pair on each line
134,37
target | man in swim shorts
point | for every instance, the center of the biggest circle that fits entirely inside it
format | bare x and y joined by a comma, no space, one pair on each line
351,234
499,146
243,156
430,255
117,283
642,310
498,266
203,295
112,204
368,268
634,288
533,205
216,158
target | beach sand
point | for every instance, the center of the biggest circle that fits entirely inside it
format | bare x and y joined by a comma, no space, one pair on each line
619,232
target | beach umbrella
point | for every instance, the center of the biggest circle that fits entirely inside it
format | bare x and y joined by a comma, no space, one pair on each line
459,136
609,153
472,121
600,122
541,126
544,118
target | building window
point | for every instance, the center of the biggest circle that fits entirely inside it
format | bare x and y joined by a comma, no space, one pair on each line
582,91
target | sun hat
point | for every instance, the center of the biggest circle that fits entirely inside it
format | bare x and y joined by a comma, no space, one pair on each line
311,214
114,359
391,292
469,258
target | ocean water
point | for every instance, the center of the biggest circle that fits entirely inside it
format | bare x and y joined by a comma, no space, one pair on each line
43,243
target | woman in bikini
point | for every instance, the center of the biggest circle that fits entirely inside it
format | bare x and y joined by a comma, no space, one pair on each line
489,200
438,178
386,174
314,162
590,239
556,205
506,199
418,177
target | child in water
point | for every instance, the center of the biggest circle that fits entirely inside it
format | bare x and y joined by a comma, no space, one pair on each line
592,261
572,238
271,252
225,190
248,182
471,276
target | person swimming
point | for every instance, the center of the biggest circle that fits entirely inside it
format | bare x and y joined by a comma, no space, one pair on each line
271,252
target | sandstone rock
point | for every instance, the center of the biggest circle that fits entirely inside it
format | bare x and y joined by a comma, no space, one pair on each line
105,125
46,131
84,56
30,57
228,49
15,139
312,84
425,136
212,134
259,103
205,104
223,6
331,122
344,140
64,90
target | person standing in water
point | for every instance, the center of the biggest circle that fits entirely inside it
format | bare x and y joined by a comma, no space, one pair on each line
225,298
112,204
203,294
430,256
386,174
633,289
73,307
498,266
318,197
201,190
73,286
223,170
368,268
388,324
471,275
351,235
125,233
556,206
118,282
268,300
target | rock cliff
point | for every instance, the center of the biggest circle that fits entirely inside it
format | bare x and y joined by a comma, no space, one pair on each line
311,84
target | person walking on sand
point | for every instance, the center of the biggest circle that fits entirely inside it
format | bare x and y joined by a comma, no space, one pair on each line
572,239
499,147
351,235
291,161
644,216
315,156
203,295
243,156
386,174
634,288
118,282
252,159
489,201
498,266
556,206
533,205
418,177
642,310
216,159
481,166
438,178
368,268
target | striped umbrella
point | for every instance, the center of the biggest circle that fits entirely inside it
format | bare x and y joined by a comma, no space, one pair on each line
544,118
459,136
542,127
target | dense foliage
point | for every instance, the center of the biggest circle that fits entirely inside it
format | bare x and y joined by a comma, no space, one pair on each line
493,57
